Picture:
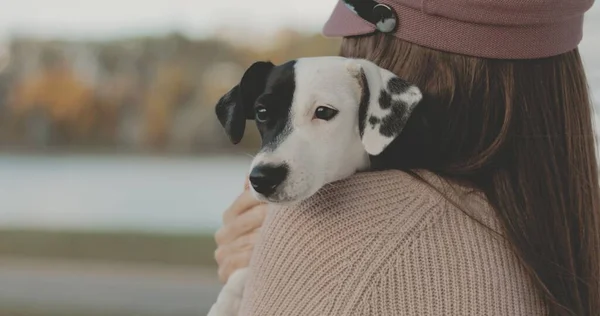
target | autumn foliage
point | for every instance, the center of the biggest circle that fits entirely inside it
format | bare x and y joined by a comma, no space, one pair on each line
135,94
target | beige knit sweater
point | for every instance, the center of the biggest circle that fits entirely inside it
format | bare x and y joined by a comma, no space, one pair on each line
385,243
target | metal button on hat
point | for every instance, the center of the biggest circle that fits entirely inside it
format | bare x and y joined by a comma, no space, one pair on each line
382,16
386,18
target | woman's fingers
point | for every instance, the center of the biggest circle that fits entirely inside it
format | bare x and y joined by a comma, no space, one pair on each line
247,222
243,243
236,238
244,202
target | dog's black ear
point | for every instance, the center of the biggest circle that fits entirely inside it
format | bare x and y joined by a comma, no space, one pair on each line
236,106
385,106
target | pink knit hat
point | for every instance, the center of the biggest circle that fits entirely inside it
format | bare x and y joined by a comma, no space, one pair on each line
506,29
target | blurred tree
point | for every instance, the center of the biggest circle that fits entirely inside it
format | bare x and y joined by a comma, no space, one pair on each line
155,92
168,92
56,91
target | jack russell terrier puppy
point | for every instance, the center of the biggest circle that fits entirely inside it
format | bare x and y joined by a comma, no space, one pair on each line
321,119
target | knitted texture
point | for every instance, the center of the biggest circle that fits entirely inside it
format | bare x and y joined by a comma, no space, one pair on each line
386,243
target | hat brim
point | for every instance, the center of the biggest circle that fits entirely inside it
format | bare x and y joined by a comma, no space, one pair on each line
343,22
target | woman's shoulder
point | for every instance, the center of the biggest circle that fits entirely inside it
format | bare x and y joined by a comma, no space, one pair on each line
370,202
445,238
379,184
395,196
370,189
460,256
332,242
385,237
377,201
390,186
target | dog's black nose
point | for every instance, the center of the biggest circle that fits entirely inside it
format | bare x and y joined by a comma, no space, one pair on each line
265,178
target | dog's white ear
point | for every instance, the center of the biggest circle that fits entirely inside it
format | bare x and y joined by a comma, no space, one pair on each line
385,106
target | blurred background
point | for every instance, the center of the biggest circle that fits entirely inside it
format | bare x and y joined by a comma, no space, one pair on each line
114,171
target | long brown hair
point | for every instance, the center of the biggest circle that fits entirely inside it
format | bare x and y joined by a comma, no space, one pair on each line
521,132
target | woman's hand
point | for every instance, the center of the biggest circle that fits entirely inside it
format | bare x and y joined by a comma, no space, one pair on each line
236,238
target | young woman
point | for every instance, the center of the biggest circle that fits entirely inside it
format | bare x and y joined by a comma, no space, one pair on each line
497,208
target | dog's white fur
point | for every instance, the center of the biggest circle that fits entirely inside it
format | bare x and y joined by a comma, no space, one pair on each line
230,297
320,152
316,151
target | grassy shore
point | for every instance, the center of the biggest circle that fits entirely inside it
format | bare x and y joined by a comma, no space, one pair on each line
196,250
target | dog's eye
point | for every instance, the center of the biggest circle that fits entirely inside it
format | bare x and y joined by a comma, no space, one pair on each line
325,113
261,114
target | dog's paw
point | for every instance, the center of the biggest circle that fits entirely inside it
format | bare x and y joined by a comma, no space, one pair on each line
229,300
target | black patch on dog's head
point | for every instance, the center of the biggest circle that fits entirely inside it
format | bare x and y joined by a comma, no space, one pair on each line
237,105
374,120
385,100
277,99
263,85
395,121
397,86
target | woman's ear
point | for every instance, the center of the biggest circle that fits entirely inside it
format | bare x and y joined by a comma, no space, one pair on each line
385,106
236,106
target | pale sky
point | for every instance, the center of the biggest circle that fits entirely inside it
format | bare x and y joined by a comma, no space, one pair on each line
101,18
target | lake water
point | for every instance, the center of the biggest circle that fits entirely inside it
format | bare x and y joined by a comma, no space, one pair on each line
141,193
118,192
